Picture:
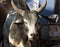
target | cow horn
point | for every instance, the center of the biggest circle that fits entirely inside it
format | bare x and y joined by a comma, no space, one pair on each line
42,7
20,11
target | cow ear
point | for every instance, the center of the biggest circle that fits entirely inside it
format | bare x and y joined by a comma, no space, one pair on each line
38,19
38,16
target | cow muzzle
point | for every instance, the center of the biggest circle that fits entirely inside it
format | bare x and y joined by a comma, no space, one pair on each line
34,36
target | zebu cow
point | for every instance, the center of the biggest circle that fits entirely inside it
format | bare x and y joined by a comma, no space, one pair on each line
23,26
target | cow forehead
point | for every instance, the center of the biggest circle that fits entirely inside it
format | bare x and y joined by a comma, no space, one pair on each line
30,16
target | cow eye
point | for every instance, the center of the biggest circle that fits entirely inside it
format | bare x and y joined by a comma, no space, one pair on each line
20,23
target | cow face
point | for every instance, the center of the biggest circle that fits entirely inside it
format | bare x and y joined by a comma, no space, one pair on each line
26,23
29,18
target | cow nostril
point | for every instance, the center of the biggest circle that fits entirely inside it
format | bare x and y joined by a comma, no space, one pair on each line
34,34
37,34
31,34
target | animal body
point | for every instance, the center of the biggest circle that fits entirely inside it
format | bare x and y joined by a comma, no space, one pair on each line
22,28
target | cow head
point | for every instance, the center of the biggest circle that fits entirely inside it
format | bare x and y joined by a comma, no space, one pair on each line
29,19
